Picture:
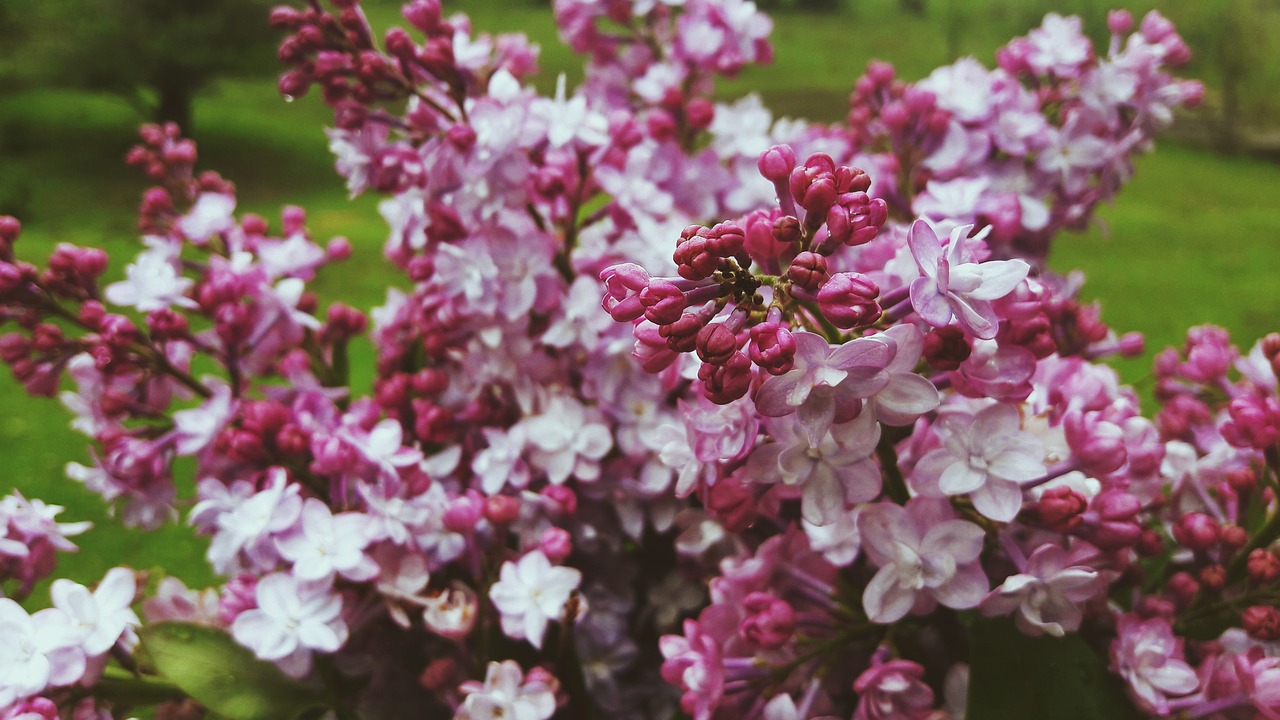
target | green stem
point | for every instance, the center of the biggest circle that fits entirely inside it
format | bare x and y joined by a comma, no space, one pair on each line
123,687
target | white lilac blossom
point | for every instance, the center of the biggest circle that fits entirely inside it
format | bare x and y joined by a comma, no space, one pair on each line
507,694
323,544
100,618
152,282
293,619
41,650
531,592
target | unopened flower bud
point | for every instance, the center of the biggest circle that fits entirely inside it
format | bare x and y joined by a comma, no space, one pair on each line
848,300
769,623
808,271
776,164
724,383
946,348
1233,537
716,343
1060,508
1262,622
556,544
772,347
732,502
464,512
1263,567
1213,577
564,498
501,509
1196,531
663,302
1119,22
1183,588
699,113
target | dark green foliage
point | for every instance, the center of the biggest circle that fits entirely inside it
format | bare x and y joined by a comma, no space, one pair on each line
1015,676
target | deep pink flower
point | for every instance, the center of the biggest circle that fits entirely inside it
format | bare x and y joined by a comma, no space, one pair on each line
894,690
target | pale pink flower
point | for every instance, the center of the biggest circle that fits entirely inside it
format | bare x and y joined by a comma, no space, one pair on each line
986,455
211,215
826,384
894,690
567,440
531,592
951,286
907,395
324,544
1047,596
293,619
1149,658
195,429
923,554
152,282
451,612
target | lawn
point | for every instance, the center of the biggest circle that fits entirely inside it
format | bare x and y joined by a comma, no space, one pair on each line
1190,241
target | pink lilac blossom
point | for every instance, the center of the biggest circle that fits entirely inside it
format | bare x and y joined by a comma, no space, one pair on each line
293,619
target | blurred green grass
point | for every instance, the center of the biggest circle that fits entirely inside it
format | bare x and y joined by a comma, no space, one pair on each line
1191,240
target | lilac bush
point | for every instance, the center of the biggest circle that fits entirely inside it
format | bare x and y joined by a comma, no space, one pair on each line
679,409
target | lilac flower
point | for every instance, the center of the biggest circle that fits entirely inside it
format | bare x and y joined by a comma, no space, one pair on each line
986,455
1148,656
924,554
827,383
293,619
383,447
196,428
831,475
529,593
893,690
102,617
569,120
567,441
211,215
40,650
152,282
952,286
244,530
907,395
1047,595
324,544
507,695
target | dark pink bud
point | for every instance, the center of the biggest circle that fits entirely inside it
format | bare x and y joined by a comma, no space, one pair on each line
338,249
623,283
772,348
1060,508
769,623
1254,423
10,228
716,343
651,349
1156,27
787,230
661,125
776,164
699,113
293,84
501,509
724,383
1196,531
292,441
848,300
556,544
1213,577
461,137
732,502
1119,22
682,335
695,256
1183,588
1233,537
464,512
238,595
423,15
1262,622
663,302
1263,567
1097,443
808,271
563,497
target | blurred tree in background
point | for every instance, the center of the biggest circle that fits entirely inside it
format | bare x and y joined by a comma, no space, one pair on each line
156,54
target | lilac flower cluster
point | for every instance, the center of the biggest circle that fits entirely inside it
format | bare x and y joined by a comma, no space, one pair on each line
675,407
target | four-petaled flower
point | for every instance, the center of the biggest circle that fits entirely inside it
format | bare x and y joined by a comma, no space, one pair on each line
952,286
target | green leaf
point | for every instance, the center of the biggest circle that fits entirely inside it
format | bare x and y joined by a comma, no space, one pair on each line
1015,676
224,676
